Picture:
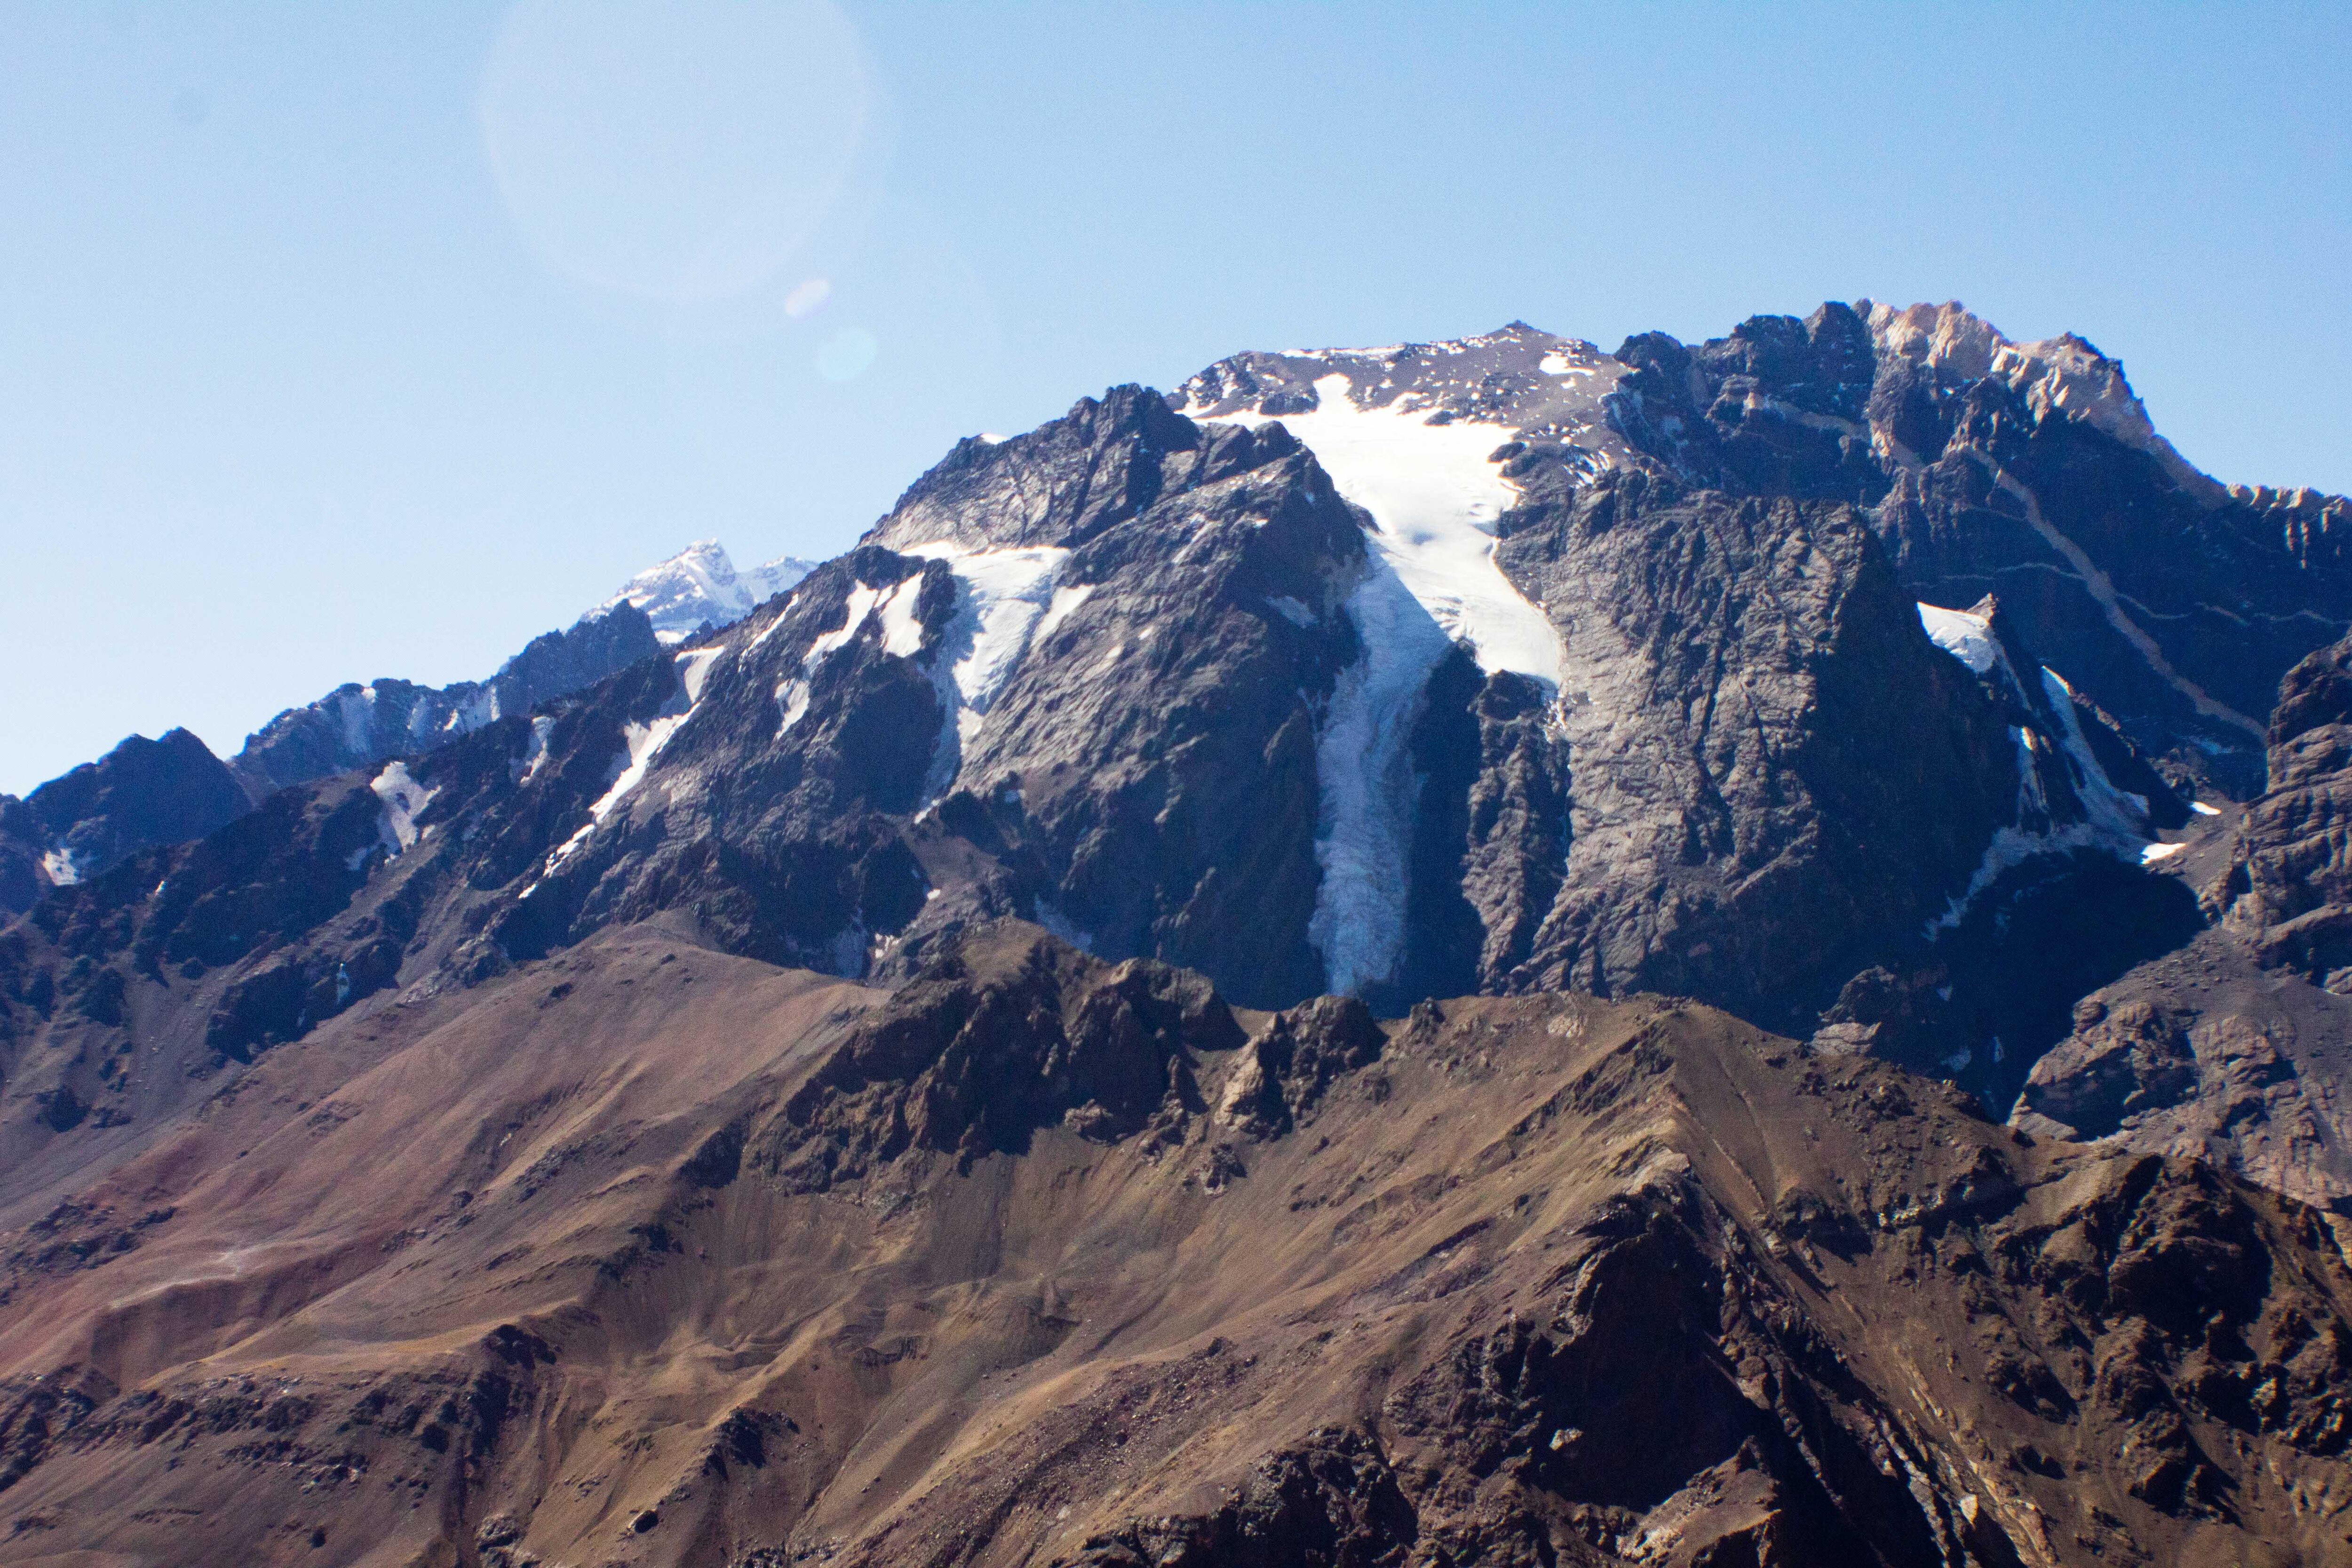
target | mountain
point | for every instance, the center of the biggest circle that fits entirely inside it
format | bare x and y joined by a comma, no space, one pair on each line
698,587
154,798
1402,673
976,960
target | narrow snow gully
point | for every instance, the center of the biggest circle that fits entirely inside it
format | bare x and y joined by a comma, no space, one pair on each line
1005,600
2114,820
643,744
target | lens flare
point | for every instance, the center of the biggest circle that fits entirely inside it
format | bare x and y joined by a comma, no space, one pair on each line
806,298
674,151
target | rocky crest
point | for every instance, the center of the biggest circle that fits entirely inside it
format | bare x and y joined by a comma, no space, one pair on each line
1046,1259
146,793
355,724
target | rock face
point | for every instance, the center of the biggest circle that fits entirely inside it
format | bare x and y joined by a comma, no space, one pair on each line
2235,1046
677,1257
80,825
2175,603
2289,886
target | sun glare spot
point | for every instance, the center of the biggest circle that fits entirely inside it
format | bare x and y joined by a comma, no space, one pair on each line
805,297
677,151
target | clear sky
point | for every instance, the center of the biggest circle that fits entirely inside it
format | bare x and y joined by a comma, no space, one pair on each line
356,340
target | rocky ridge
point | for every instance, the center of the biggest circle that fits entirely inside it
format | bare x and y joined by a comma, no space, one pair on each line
158,797
1044,1259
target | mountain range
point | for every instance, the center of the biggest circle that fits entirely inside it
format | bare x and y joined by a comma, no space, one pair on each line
1466,951
148,793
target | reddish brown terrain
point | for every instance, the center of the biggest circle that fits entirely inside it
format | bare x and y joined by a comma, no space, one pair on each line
646,1254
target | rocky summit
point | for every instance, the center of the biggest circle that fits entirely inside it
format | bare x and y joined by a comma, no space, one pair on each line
1482,952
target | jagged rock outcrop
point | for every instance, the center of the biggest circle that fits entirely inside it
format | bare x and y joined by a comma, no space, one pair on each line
2029,471
2204,1053
2233,1047
1002,1036
2174,603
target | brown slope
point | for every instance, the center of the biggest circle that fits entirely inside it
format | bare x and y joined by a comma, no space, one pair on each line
648,1254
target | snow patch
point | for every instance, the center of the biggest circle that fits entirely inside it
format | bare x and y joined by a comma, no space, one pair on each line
902,632
58,864
793,697
2201,809
693,669
1064,605
405,800
2116,812
775,623
2116,820
862,601
1291,610
643,742
357,712
479,708
1001,598
2010,848
902,635
1435,494
1966,637
534,750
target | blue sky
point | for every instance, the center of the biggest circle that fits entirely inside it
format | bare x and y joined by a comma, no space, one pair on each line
372,339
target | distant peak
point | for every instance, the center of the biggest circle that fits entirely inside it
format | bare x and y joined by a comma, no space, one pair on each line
701,586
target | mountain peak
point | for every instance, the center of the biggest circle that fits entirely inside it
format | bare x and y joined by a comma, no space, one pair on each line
701,586
2066,373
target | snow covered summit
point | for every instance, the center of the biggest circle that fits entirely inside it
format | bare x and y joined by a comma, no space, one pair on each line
701,585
